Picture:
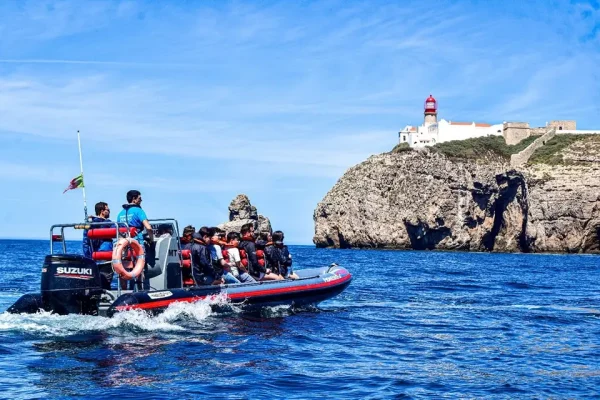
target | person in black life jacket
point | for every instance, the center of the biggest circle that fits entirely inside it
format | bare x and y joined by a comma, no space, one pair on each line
249,257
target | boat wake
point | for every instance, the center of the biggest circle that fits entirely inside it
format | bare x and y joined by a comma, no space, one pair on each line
173,319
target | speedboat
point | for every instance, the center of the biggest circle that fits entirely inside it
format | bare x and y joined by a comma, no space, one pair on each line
71,283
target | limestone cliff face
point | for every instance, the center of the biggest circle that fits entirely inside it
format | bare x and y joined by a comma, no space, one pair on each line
422,200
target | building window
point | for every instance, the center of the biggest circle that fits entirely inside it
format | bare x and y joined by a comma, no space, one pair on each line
404,138
560,128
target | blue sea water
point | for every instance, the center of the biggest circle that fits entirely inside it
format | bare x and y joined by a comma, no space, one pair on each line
411,325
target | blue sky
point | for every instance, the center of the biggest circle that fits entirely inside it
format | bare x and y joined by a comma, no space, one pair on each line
194,102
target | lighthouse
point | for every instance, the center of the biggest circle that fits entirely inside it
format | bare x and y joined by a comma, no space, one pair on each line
430,111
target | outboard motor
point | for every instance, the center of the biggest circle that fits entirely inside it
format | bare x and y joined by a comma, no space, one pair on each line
70,285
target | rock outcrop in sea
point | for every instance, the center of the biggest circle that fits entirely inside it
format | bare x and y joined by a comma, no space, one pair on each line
424,200
242,212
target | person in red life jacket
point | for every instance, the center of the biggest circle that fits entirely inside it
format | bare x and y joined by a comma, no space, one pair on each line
263,239
250,255
233,257
221,266
202,269
202,240
188,244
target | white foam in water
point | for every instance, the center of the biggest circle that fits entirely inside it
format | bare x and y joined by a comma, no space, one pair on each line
46,323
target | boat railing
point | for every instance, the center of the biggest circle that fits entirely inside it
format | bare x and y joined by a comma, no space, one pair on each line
86,225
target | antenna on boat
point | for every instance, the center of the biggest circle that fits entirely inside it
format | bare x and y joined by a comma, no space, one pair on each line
83,186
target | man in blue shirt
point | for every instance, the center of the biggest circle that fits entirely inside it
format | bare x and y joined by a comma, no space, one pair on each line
134,216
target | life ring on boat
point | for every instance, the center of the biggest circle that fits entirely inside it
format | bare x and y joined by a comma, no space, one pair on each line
136,250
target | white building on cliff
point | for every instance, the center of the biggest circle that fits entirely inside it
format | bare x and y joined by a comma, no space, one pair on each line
433,131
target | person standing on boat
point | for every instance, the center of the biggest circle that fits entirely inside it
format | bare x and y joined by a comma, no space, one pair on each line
90,246
135,217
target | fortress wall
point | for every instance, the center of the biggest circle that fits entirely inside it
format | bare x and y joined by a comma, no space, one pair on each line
514,132
562,125
522,157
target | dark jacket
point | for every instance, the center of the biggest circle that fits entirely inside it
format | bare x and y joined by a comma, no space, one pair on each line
279,259
254,268
90,246
202,265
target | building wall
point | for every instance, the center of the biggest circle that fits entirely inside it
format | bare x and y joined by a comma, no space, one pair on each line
514,132
563,125
448,131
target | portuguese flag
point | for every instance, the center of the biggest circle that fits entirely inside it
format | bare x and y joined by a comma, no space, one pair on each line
75,183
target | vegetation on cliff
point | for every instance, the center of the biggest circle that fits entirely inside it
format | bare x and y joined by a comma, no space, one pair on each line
552,152
401,148
481,149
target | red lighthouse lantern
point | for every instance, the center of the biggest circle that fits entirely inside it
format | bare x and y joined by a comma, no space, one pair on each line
430,105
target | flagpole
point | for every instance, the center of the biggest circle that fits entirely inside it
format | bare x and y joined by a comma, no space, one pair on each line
81,165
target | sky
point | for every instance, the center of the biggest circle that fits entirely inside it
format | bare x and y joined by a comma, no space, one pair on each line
194,102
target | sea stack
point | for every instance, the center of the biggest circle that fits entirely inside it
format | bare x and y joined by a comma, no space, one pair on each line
242,212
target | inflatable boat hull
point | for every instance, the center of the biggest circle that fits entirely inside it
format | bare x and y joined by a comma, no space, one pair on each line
313,287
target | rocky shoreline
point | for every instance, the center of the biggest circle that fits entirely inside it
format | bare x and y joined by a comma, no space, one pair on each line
424,200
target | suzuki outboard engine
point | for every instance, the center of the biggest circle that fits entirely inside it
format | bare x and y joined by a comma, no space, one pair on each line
70,285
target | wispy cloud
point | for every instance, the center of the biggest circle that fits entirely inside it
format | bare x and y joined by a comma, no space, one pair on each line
205,100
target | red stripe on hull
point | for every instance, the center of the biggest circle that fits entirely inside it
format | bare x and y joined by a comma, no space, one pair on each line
266,292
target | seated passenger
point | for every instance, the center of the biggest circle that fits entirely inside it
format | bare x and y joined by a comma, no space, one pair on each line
221,266
249,256
202,239
279,257
237,269
199,237
263,239
90,246
164,230
202,269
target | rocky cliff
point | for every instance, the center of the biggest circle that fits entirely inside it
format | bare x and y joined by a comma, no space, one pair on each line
423,200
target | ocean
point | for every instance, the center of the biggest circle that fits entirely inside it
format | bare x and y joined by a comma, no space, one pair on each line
410,325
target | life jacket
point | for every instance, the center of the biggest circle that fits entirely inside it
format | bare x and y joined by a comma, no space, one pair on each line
260,257
225,251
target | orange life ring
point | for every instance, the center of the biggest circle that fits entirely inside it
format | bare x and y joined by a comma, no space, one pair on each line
137,250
